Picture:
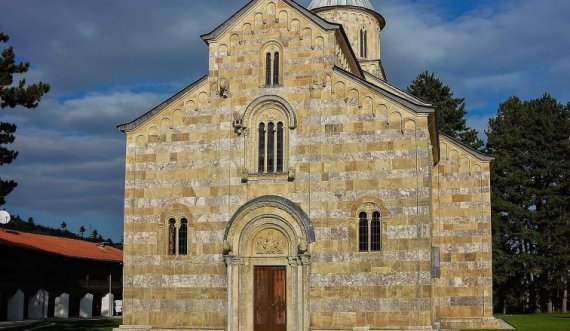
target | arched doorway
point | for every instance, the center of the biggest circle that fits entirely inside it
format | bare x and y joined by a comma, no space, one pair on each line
266,250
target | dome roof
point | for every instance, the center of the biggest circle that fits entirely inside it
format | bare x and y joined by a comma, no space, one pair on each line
329,3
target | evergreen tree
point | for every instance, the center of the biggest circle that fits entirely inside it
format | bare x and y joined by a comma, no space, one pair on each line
94,235
12,96
63,226
531,201
450,111
31,221
82,231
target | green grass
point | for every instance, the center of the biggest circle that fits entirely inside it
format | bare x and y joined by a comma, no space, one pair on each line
538,322
74,325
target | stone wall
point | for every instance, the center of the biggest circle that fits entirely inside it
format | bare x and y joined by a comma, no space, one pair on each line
462,295
352,147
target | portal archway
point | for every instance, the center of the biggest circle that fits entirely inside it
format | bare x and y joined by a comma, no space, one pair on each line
268,232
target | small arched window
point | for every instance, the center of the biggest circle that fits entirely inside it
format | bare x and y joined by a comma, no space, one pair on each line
272,69
271,64
178,229
270,153
363,43
369,232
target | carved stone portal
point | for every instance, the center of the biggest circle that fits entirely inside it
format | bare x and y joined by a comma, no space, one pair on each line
268,232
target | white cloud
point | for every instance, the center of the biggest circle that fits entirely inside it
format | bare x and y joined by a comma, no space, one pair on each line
71,161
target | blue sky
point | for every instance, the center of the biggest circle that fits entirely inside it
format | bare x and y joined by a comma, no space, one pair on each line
109,61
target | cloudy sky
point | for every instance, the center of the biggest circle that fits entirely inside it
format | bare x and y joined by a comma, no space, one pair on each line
109,61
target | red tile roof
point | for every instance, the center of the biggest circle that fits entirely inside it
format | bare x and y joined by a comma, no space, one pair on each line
61,246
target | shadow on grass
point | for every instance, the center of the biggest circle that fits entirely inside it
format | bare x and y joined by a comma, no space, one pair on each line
73,325
91,325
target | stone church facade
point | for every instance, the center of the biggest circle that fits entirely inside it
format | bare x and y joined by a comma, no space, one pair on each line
294,188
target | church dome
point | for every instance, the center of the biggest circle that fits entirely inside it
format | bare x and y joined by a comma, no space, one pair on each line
331,3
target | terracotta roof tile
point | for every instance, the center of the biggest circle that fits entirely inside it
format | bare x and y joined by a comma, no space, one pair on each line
61,246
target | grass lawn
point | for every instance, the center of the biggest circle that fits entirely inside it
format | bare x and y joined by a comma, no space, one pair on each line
75,325
538,322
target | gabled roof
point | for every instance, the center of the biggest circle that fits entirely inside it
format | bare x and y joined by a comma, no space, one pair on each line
326,25
61,246
235,17
140,120
402,98
383,83
470,150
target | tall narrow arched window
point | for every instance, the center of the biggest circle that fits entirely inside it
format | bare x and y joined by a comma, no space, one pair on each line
363,43
183,237
271,57
375,232
172,236
268,69
270,157
363,232
276,68
267,150
271,147
280,147
261,149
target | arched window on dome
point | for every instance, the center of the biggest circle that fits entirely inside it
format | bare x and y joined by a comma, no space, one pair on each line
363,43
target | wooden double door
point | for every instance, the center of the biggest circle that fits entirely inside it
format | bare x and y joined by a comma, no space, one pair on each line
270,299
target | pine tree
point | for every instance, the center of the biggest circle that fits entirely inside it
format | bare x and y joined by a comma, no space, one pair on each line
94,235
82,231
63,226
531,200
12,96
450,111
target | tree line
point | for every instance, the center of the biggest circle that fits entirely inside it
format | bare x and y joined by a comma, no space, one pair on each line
19,224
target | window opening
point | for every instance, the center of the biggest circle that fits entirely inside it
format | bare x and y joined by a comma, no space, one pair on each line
183,237
171,236
268,65
276,68
375,232
280,147
363,43
270,147
261,151
272,68
363,232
